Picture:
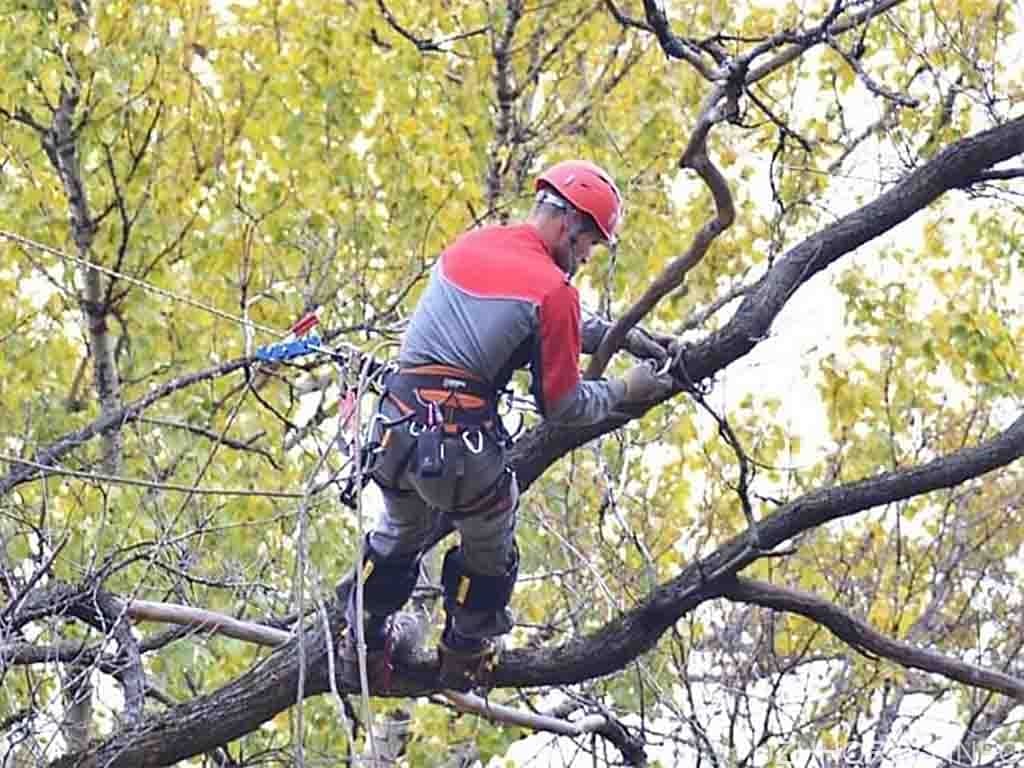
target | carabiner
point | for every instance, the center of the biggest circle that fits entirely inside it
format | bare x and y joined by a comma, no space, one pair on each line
479,447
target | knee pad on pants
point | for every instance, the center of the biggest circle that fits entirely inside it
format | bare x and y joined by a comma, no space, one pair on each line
387,582
475,591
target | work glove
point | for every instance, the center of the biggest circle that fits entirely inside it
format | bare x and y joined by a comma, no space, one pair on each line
644,383
646,346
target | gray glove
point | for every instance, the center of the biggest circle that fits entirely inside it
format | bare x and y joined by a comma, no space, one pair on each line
644,345
644,384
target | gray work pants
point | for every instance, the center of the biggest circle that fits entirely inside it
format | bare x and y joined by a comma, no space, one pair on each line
413,505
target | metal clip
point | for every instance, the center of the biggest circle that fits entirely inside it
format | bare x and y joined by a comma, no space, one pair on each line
467,440
416,429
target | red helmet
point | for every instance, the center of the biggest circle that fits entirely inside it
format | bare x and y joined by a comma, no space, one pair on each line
590,189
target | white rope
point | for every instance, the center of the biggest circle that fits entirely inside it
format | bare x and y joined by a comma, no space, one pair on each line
49,469
365,379
245,323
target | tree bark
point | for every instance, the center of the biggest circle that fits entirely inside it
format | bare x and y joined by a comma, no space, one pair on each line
60,145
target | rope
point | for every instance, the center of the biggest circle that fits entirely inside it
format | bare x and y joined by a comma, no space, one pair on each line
366,378
118,480
26,242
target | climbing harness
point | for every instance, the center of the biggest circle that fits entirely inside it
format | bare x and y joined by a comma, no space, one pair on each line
449,413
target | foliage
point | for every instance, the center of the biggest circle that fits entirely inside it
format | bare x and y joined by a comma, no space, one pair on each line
263,159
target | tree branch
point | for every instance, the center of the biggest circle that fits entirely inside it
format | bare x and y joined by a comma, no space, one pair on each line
718,105
238,445
675,47
864,638
269,688
424,45
949,169
203,620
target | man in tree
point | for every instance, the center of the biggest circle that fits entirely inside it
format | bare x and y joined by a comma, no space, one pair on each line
499,299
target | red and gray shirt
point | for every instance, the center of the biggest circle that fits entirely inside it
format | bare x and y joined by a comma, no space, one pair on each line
497,302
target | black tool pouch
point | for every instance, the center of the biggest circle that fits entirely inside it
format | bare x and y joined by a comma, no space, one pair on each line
430,453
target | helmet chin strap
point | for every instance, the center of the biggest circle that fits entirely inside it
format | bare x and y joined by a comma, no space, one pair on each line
574,262
574,232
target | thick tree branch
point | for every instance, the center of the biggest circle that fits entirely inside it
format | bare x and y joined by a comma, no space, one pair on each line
751,324
270,687
203,620
131,674
506,92
861,636
59,143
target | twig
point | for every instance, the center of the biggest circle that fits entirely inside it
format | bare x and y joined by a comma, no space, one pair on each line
43,570
238,445
876,88
624,20
425,45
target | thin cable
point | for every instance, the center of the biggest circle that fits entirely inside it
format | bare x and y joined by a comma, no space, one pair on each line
118,480
26,242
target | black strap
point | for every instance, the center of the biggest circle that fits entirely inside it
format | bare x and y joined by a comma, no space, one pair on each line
402,388
466,384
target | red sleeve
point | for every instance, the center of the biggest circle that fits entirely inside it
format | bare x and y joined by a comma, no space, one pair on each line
560,345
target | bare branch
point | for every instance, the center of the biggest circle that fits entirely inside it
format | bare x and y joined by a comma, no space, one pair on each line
864,638
43,570
238,445
718,105
810,39
673,46
624,20
869,82
132,676
424,45
506,92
